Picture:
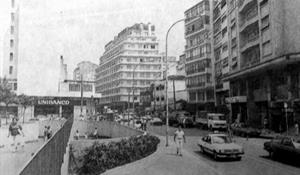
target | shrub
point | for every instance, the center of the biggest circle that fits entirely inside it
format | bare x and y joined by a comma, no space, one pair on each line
101,157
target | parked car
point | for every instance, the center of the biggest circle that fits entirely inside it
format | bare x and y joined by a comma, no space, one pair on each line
283,147
156,121
175,116
185,122
220,146
244,131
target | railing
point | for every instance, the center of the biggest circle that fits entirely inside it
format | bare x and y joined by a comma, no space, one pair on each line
48,160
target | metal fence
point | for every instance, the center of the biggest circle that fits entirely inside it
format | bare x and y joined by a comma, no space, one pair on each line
48,160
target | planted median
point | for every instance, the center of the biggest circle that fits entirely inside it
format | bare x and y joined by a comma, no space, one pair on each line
103,156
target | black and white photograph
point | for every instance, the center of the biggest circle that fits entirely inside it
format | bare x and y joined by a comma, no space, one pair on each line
149,87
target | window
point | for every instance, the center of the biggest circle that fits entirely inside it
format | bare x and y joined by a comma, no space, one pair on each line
224,32
267,48
12,17
11,43
12,30
10,70
225,47
192,96
152,46
15,86
265,22
225,62
11,56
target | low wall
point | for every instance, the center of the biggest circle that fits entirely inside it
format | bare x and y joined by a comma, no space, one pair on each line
106,128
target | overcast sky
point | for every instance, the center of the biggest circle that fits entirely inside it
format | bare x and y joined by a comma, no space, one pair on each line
79,29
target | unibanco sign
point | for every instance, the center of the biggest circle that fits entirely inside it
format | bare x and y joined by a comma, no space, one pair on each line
53,102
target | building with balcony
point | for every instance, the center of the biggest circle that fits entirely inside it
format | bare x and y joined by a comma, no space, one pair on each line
86,69
221,50
264,59
130,63
180,67
198,56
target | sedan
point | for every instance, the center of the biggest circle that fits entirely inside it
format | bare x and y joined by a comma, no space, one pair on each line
156,121
220,146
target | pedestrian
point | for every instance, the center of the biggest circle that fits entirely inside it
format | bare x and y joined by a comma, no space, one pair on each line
95,133
296,129
77,135
265,123
49,133
179,138
14,130
45,133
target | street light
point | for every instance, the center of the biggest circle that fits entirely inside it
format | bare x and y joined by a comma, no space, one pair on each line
166,63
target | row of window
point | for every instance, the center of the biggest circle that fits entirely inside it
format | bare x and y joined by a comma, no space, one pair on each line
141,46
197,39
198,81
76,87
199,24
198,52
200,95
198,66
197,10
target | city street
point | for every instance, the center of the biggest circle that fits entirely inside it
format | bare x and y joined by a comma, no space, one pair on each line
255,160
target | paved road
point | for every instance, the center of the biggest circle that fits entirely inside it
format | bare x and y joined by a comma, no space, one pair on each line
255,160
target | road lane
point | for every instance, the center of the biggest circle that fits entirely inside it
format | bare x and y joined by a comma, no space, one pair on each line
255,160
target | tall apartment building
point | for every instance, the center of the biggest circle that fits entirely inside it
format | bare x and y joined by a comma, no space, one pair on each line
264,60
11,41
220,48
198,54
131,62
87,69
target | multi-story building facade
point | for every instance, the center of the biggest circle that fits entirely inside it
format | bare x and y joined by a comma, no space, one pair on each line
264,62
130,63
11,42
220,48
198,56
86,69
180,67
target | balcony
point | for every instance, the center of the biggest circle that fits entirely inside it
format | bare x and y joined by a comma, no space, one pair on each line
250,42
246,22
243,4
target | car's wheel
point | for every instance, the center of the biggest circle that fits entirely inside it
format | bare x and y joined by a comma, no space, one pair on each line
202,149
216,156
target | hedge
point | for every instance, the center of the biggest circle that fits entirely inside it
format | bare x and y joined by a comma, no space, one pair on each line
101,157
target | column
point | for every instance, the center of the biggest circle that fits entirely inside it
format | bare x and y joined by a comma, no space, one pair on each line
60,111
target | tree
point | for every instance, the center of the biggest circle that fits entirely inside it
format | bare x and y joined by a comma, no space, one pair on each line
24,101
7,96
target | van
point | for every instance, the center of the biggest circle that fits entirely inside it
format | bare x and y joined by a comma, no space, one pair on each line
216,121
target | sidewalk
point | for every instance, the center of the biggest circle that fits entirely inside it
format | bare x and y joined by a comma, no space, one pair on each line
31,131
12,162
165,162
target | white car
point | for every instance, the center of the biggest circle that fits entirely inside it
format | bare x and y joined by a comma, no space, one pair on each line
220,146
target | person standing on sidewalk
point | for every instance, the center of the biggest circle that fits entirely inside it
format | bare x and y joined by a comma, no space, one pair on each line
14,130
179,138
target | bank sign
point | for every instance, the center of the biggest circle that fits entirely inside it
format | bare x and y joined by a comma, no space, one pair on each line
53,102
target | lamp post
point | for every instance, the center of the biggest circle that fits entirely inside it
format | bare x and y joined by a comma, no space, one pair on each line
166,63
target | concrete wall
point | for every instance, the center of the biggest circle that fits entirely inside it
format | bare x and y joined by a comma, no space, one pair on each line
105,128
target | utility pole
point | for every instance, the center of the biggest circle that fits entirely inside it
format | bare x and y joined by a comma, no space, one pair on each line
81,94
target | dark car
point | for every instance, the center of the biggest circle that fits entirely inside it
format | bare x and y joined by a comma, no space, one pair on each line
283,147
185,122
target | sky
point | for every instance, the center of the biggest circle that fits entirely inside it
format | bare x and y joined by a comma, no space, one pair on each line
78,30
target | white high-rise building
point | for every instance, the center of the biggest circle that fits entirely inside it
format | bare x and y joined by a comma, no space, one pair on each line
10,50
130,63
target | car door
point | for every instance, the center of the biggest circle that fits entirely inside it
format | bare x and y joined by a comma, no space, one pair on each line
287,148
208,145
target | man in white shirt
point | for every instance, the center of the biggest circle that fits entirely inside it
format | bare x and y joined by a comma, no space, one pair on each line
179,138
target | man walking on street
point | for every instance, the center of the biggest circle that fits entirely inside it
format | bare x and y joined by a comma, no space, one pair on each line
179,138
